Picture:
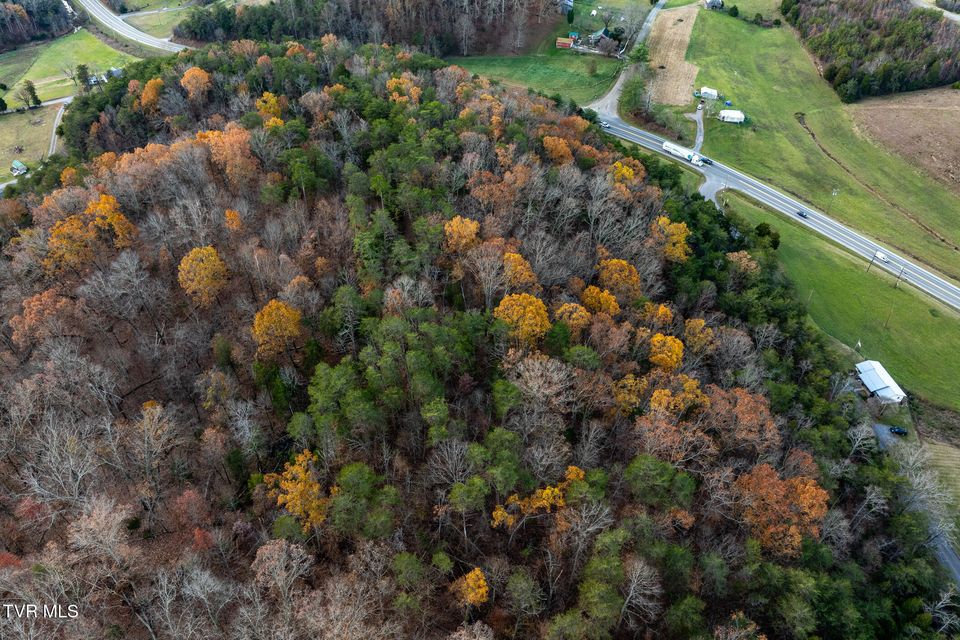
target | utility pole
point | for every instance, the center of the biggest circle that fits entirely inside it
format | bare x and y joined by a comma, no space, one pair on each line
872,258
887,322
899,276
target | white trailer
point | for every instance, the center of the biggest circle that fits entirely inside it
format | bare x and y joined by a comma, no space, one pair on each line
731,115
708,93
682,152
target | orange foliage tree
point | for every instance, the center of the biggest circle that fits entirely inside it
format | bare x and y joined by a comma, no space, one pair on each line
666,351
299,492
197,82
781,512
275,327
230,151
526,315
150,96
202,274
557,150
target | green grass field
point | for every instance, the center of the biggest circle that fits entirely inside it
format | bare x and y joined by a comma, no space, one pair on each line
30,130
569,74
45,63
767,74
158,24
916,338
545,68
149,5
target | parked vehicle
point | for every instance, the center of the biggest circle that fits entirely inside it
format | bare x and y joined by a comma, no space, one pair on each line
682,152
699,107
899,431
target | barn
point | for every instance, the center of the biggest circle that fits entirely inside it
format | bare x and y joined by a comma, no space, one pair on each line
731,115
879,383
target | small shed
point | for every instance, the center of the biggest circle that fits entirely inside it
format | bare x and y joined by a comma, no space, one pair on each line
17,168
731,115
707,92
879,383
566,6
713,4
564,43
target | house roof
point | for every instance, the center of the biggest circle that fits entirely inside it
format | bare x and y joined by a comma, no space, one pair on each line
16,164
878,382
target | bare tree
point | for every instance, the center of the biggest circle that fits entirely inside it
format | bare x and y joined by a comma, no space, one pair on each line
641,593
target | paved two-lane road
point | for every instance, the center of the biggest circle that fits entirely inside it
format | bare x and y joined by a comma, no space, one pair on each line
719,176
112,21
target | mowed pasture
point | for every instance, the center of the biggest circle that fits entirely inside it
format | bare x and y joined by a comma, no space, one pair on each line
922,126
673,77
802,139
915,337
47,64
30,131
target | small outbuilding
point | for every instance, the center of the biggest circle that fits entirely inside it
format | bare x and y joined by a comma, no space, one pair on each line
879,383
731,115
564,43
17,168
713,4
710,94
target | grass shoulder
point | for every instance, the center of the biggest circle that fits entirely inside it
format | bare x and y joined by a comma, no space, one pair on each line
916,337
801,138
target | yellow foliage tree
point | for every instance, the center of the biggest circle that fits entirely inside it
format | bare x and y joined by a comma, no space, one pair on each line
673,235
460,233
196,81
621,172
69,177
628,393
202,275
576,317
545,500
526,315
275,327
519,273
299,492
268,105
73,240
657,315
621,278
471,589
698,336
599,300
557,150
666,352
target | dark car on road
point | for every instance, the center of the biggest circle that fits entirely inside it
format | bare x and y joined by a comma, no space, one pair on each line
803,214
900,431
706,160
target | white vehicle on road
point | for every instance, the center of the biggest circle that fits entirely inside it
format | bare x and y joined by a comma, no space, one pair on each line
882,257
689,155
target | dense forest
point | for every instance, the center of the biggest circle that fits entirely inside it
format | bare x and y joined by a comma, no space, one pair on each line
875,47
25,20
437,27
310,340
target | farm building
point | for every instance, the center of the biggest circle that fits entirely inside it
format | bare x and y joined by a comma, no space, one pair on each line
713,4
707,92
879,383
731,115
17,168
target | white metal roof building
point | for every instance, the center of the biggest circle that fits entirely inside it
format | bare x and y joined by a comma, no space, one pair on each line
707,92
731,115
879,383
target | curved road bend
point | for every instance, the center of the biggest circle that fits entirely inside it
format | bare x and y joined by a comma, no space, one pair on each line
719,176
112,21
